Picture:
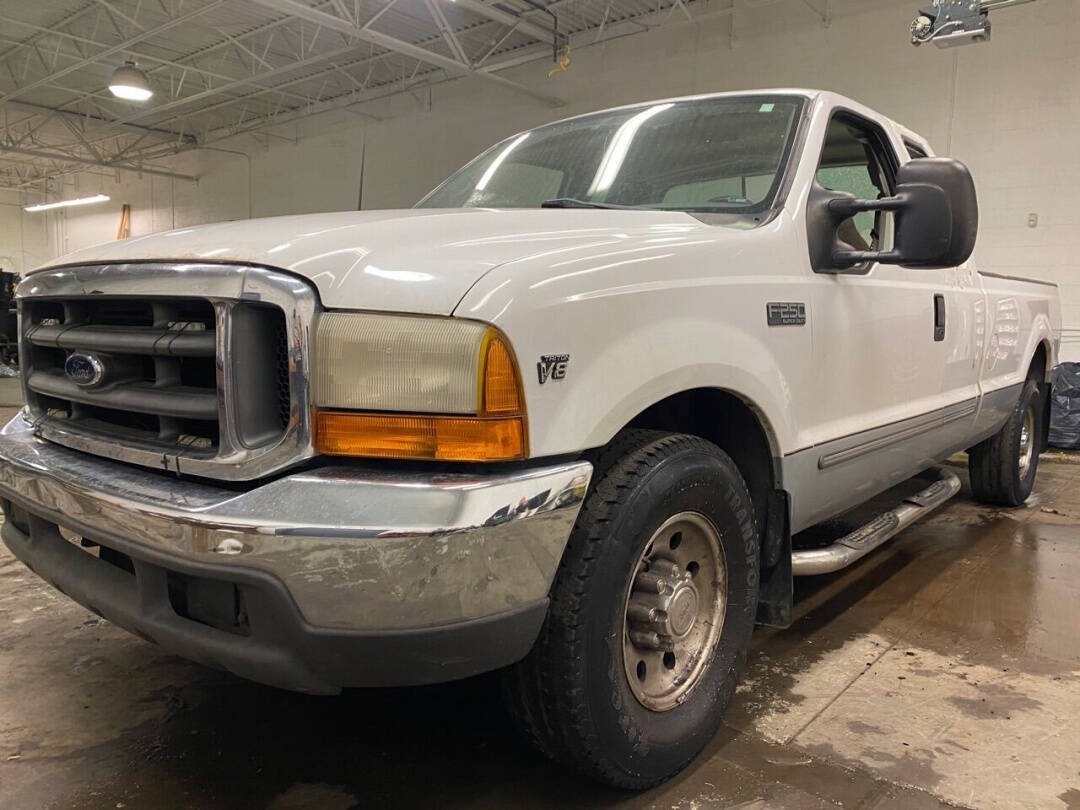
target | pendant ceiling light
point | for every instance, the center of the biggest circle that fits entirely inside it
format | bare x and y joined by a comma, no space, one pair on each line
130,83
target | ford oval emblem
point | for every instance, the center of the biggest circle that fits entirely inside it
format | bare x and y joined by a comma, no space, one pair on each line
84,369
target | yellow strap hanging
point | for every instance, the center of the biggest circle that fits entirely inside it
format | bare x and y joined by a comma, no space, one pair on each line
564,62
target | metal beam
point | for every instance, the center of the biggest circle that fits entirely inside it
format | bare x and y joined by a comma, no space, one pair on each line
53,174
29,42
43,32
301,11
448,35
334,68
348,101
531,53
78,133
41,109
114,49
37,153
233,82
296,114
141,56
482,9
991,4
225,88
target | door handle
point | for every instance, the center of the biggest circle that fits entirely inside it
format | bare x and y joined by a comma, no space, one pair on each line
939,317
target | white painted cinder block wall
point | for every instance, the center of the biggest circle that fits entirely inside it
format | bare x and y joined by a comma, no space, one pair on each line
1009,109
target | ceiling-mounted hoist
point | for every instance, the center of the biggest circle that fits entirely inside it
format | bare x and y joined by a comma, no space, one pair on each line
948,23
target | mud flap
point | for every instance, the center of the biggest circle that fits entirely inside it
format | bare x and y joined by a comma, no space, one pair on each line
775,593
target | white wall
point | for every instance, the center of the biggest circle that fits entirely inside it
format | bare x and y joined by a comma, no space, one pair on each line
1010,109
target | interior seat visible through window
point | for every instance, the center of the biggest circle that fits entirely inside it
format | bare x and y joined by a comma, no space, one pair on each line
853,160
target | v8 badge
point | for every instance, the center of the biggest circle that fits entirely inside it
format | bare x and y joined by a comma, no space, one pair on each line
552,367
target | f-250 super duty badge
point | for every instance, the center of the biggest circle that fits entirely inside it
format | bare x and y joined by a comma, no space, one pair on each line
552,367
780,313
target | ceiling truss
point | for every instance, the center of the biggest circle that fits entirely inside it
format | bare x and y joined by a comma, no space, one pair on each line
225,67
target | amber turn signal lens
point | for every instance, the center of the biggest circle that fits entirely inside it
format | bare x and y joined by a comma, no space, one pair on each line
500,387
444,438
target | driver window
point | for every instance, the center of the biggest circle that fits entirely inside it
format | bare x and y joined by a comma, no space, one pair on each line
853,161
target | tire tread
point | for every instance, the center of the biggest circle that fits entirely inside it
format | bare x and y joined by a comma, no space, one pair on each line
543,692
992,464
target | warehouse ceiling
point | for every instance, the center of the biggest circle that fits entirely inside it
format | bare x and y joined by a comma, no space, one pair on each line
225,67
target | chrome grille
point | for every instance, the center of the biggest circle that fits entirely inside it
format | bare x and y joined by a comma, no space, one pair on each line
212,384
162,386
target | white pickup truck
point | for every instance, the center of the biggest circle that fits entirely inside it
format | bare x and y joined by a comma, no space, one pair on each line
563,417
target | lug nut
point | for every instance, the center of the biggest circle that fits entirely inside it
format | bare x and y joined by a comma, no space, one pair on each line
649,582
642,612
666,569
646,639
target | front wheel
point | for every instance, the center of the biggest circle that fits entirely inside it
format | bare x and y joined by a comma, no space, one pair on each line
651,614
1003,467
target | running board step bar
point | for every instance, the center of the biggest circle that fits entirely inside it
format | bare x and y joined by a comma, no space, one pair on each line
857,544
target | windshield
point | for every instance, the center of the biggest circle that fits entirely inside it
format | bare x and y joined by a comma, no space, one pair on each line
724,155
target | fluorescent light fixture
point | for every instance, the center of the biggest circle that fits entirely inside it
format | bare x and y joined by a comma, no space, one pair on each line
620,145
130,83
65,203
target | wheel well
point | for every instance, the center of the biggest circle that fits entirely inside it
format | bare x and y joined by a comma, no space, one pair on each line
739,430
727,421
1037,369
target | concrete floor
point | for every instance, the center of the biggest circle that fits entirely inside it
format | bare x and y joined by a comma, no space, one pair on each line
942,670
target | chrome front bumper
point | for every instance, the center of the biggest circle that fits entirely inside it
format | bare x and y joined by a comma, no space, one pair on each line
356,550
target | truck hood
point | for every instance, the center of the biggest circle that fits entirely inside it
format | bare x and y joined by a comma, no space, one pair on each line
412,260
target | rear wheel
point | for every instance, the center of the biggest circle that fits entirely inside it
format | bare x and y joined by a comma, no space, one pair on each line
1003,467
651,614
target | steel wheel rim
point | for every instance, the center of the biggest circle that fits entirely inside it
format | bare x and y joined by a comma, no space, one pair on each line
683,569
1027,440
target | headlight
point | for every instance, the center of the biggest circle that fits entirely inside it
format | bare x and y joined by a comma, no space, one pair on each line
416,387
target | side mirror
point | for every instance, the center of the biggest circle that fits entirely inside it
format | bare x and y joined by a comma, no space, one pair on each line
937,219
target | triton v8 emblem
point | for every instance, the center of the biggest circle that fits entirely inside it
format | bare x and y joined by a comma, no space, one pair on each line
552,367
84,369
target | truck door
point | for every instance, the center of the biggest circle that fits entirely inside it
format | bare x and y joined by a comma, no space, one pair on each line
963,329
891,345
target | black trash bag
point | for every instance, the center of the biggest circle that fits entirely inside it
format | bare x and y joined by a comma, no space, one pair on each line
1065,408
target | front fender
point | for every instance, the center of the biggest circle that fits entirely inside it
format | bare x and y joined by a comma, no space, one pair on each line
763,389
640,330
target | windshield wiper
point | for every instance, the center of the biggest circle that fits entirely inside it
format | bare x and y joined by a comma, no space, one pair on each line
570,202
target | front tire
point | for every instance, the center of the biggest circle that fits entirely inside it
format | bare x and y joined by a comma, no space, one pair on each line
1003,467
651,614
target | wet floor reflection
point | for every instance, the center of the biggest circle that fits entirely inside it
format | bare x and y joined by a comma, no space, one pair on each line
971,586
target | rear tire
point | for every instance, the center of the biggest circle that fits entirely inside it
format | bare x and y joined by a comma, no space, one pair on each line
1003,467
656,499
